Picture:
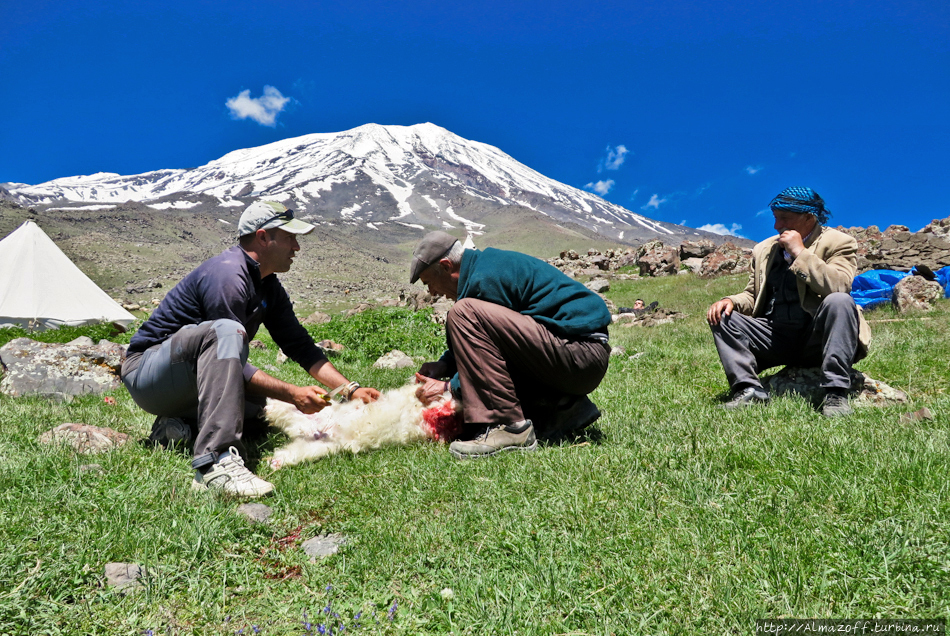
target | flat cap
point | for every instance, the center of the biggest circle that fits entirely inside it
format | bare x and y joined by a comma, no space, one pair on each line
430,249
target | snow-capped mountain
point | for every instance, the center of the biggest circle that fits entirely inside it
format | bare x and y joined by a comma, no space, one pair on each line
421,176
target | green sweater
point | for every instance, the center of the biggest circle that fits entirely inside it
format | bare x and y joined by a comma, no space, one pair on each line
532,288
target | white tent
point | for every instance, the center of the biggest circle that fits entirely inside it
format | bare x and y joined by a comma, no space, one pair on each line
39,284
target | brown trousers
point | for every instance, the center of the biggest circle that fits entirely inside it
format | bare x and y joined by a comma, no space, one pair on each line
507,361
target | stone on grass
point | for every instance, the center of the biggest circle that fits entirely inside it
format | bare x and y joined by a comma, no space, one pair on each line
617,351
60,371
440,309
95,469
865,391
257,344
323,545
256,512
598,285
84,438
918,415
124,575
395,359
916,293
330,348
281,357
82,341
316,318
656,259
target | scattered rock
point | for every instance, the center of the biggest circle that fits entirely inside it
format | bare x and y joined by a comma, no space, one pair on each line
82,341
395,359
598,285
694,265
728,258
60,371
617,351
323,545
918,415
84,438
124,575
257,344
865,391
256,512
92,468
330,348
637,355
281,357
916,293
656,259
440,309
696,249
316,318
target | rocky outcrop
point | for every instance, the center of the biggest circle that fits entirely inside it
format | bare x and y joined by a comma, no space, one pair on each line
728,258
865,391
900,249
60,370
656,259
84,438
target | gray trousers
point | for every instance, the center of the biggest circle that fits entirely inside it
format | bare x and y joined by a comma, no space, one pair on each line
505,358
749,345
197,374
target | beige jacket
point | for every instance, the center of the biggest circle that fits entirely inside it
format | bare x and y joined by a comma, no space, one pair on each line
827,265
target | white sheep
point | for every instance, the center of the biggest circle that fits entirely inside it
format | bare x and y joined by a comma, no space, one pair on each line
398,418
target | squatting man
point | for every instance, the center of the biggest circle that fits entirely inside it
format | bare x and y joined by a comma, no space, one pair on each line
796,309
526,344
188,365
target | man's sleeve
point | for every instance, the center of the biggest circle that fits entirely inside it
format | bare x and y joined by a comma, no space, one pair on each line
289,334
830,273
745,300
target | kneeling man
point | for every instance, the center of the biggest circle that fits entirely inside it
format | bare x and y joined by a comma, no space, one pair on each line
797,308
188,362
522,336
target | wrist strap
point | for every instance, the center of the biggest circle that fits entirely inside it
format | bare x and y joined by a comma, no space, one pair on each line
350,389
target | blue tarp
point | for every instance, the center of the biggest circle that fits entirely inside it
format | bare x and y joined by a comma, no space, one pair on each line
876,286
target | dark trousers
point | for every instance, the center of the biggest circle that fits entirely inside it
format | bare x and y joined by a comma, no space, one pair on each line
197,374
505,359
748,345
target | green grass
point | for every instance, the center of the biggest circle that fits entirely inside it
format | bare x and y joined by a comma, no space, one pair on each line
679,518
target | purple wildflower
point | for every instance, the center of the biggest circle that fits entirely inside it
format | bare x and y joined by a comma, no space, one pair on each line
392,610
329,588
321,629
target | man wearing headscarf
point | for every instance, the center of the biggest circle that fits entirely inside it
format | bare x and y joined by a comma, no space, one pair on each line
796,309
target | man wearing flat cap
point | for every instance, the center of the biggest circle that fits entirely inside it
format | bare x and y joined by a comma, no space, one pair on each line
797,308
524,340
187,363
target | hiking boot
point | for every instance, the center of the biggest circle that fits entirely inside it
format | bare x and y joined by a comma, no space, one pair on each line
495,439
835,404
576,414
229,475
747,397
170,432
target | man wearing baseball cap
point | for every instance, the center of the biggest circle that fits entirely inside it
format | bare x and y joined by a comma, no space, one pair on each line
187,363
527,344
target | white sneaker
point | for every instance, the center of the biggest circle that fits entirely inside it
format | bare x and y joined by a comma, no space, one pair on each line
229,475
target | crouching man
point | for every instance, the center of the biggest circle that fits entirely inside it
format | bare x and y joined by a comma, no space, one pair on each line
188,362
522,337
796,309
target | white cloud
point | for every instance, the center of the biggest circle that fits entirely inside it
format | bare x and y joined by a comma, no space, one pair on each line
753,169
719,228
655,202
763,212
601,187
263,109
615,158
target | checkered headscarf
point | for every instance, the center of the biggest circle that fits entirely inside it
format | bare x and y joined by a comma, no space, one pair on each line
801,201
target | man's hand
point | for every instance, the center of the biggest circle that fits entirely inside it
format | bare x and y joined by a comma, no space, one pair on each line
429,389
791,240
366,394
437,369
719,310
309,399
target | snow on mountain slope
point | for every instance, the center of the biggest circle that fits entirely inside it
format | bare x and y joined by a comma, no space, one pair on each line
414,175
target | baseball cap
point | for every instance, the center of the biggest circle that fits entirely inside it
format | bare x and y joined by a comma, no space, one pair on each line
430,249
263,215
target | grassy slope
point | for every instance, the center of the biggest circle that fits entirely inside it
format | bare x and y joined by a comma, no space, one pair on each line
679,519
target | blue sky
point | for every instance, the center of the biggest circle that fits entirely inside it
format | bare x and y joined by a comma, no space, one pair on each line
686,111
